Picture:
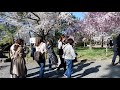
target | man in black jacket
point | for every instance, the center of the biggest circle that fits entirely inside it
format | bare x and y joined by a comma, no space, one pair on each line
116,49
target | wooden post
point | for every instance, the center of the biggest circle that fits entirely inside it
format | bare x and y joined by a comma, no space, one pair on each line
106,50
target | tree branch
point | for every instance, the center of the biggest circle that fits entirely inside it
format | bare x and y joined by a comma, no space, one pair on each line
32,18
35,33
36,16
37,20
48,32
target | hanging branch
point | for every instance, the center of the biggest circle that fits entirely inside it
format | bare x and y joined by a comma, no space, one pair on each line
36,15
35,33
37,20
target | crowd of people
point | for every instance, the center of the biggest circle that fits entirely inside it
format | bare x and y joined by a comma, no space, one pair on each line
44,50
41,51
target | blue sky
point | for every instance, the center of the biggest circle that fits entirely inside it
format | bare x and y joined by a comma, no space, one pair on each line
79,14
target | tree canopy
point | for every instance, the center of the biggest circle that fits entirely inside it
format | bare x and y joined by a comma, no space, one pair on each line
27,24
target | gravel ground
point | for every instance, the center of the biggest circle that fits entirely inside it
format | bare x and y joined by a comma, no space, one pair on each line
81,69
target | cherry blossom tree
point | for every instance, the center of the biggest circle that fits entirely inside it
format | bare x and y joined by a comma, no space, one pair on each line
37,23
101,23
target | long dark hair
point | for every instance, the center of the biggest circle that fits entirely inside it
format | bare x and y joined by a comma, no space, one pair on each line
60,39
38,40
50,42
70,41
19,41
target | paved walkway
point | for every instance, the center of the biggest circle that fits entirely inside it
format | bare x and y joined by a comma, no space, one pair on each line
82,69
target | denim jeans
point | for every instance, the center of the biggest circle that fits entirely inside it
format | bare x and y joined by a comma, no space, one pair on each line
50,63
42,69
114,57
69,66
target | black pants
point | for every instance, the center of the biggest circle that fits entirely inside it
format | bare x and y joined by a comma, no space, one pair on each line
114,56
63,64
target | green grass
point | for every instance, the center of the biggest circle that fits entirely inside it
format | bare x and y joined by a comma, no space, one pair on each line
95,53
85,53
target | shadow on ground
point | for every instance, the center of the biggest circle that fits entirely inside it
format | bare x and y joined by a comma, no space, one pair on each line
76,68
88,71
33,68
48,74
114,71
2,67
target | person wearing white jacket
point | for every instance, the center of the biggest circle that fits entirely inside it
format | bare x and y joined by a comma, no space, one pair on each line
69,55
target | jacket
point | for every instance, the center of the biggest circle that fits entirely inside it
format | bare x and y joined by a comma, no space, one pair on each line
68,52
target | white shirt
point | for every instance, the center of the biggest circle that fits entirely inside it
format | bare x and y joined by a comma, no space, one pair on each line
59,44
68,52
41,48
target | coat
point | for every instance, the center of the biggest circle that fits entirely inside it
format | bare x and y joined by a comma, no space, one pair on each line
18,64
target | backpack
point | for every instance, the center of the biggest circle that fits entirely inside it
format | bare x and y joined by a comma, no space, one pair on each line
37,56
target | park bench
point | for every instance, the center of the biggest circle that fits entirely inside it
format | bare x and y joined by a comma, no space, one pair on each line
4,49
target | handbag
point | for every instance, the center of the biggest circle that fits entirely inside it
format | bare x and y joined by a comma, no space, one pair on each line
37,56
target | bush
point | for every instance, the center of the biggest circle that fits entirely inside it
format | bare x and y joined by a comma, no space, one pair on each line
5,40
80,44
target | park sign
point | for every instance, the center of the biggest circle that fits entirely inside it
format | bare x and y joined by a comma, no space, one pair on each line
32,40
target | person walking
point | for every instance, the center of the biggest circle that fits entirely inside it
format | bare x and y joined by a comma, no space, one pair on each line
60,53
41,49
32,50
116,49
69,56
18,64
51,54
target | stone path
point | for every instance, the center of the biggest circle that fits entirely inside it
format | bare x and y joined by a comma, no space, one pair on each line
81,69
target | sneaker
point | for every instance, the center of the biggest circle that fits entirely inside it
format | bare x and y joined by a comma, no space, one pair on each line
113,63
65,76
56,69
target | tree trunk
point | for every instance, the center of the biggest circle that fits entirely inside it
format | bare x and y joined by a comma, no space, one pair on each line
102,42
84,44
43,35
106,50
90,47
